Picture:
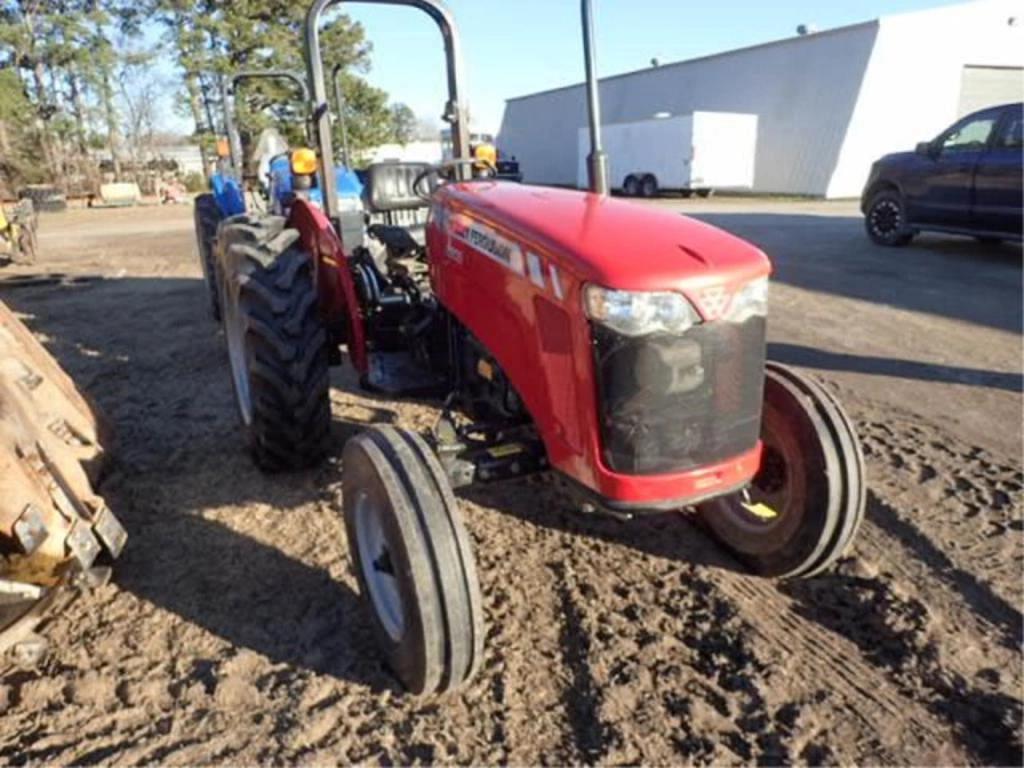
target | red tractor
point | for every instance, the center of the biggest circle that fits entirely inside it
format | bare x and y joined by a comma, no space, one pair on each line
618,347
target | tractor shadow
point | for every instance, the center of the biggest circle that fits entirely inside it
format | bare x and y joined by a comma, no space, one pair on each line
891,631
668,535
811,357
254,559
253,596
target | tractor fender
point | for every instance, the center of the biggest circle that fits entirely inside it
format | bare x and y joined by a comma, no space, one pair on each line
228,194
336,289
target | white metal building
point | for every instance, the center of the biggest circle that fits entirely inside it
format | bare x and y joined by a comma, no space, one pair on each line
828,103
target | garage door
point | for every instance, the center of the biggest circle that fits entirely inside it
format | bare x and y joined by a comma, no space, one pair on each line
982,87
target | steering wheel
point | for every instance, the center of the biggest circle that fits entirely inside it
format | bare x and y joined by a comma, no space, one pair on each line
443,171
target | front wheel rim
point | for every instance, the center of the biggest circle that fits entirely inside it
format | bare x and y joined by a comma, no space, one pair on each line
378,566
886,218
778,485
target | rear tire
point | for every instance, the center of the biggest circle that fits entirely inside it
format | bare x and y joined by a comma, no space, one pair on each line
812,477
206,217
886,219
649,186
705,193
413,559
277,349
631,186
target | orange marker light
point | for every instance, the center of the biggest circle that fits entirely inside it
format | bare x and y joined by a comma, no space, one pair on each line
303,162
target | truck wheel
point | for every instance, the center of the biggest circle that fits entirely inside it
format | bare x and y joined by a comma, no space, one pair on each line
886,219
803,508
413,559
648,186
277,349
705,192
206,217
631,186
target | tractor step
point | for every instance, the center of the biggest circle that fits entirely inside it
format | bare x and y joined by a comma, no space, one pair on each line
398,374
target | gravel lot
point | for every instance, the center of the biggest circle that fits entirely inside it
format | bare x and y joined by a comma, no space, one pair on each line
233,630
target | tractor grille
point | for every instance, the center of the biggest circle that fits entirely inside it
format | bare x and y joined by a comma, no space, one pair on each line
673,403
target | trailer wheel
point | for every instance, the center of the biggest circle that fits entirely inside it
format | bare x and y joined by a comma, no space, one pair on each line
277,349
631,186
206,217
705,193
807,500
886,219
648,186
413,559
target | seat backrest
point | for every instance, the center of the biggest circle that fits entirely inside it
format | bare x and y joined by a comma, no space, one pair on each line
389,187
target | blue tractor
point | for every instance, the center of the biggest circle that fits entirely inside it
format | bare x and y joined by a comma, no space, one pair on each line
221,215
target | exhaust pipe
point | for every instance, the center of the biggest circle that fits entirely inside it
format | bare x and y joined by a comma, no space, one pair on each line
597,160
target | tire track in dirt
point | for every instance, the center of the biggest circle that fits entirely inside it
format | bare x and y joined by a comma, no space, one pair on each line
526,671
958,510
892,634
671,672
591,736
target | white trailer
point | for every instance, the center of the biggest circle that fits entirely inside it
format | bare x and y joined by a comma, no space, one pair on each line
700,152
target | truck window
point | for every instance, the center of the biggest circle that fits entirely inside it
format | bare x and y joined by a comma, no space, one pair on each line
1012,136
968,136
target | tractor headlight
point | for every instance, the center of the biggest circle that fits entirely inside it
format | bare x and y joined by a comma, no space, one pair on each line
639,313
751,300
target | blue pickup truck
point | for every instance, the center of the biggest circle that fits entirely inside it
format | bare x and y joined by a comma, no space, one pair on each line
966,181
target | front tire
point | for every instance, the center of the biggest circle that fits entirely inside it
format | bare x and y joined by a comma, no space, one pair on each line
886,219
808,498
277,349
413,559
631,186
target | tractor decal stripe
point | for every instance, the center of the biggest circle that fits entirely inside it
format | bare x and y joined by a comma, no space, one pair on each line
556,283
533,264
487,241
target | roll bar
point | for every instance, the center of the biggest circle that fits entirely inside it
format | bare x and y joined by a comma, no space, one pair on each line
597,160
454,113
230,85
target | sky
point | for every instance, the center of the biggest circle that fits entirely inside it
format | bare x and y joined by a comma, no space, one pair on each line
515,47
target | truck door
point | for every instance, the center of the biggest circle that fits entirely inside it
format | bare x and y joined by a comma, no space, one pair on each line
943,196
998,198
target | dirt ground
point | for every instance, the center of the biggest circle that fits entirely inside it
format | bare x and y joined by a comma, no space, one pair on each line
233,631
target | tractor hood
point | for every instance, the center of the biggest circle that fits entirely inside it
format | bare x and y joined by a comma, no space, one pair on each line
611,242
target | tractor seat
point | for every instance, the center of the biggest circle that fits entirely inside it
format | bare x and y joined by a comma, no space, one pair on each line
397,215
389,187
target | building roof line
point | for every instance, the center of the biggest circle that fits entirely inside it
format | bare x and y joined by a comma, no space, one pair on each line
745,49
